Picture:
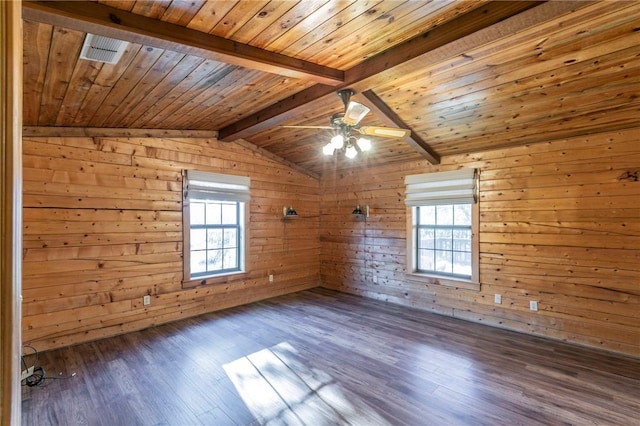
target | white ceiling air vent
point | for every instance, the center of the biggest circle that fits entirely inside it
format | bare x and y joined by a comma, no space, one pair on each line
102,49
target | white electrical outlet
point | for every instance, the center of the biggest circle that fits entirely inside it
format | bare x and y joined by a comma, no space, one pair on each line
270,278
497,299
27,373
533,305
375,279
146,300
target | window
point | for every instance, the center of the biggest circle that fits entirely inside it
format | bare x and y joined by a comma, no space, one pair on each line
214,240
443,236
214,219
442,230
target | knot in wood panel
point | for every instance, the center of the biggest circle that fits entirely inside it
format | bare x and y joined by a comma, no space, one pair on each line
630,176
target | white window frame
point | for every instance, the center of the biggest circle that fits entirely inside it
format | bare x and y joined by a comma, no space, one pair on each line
199,185
442,188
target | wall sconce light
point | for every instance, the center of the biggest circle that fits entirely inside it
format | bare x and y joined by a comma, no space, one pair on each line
358,211
289,211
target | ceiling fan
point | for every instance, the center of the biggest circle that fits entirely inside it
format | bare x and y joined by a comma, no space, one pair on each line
347,122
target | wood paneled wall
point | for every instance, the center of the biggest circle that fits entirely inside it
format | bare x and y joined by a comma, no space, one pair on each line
559,224
103,228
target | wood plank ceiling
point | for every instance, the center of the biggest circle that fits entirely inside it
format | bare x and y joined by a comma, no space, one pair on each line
464,76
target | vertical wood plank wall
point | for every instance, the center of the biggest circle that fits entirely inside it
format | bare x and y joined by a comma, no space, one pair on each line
559,224
103,228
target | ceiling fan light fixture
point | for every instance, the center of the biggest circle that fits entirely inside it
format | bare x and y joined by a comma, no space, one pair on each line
364,144
344,124
351,152
328,149
337,141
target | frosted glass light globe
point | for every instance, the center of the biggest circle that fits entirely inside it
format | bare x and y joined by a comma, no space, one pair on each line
337,141
364,144
328,149
351,152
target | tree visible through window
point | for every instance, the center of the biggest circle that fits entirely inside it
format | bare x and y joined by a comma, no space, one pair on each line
443,239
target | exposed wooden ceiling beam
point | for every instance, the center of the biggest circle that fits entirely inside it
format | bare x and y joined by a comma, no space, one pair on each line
390,118
91,17
454,38
110,132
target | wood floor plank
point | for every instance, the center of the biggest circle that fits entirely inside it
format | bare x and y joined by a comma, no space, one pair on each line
321,357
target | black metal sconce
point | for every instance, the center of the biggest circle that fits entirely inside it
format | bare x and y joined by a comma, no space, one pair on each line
358,211
289,211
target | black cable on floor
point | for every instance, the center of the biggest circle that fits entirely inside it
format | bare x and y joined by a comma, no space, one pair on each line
38,377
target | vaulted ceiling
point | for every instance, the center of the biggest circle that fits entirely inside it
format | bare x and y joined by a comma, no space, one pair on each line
463,76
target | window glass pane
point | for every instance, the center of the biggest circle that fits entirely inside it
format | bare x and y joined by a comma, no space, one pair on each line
196,213
198,239
462,214
214,260
230,258
462,240
444,246
444,262
426,238
427,215
214,215
198,261
462,263
426,260
214,238
443,239
229,214
230,240
444,215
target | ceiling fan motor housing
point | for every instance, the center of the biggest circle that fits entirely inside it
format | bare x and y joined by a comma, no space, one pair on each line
337,121
345,95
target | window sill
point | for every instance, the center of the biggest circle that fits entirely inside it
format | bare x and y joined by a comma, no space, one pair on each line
444,281
215,280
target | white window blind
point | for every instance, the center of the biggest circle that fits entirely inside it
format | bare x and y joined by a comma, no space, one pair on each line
217,186
454,187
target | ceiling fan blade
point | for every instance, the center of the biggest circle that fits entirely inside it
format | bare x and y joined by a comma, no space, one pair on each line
386,132
354,113
307,127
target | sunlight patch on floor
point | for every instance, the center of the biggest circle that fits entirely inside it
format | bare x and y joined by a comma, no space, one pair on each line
278,388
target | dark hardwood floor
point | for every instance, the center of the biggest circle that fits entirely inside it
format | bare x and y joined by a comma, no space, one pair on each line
325,358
